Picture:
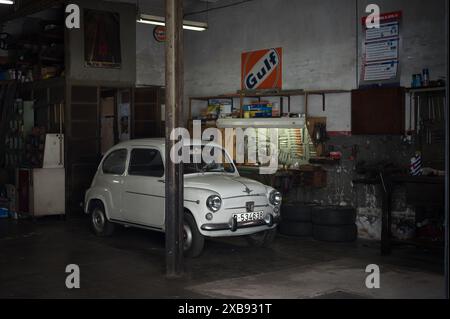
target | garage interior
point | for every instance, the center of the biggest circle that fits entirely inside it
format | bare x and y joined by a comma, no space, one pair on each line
365,143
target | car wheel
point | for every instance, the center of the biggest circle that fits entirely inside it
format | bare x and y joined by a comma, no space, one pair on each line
297,212
297,229
334,215
193,240
100,224
262,239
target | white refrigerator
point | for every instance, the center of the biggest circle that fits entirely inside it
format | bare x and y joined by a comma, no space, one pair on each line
42,191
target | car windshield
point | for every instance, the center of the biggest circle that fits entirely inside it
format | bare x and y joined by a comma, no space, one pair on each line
208,159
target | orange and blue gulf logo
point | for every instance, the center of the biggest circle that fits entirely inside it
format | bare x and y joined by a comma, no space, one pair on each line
262,69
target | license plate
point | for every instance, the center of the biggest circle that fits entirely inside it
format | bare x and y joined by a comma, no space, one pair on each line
247,217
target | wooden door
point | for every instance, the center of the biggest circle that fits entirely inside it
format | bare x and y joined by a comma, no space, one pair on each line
147,112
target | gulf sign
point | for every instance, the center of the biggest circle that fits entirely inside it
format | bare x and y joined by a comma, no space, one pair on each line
261,69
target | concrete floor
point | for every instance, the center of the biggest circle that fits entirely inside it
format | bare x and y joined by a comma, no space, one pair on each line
33,257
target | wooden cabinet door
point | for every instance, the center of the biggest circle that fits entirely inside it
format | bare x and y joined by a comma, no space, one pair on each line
378,111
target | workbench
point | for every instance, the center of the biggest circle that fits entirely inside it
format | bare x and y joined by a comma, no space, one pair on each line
286,179
421,191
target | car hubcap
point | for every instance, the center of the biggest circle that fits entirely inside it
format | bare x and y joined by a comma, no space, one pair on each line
98,220
187,237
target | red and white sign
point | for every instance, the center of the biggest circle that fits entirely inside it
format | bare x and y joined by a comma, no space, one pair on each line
159,33
261,69
386,17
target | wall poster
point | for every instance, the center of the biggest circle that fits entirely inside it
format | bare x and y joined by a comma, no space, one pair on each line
381,49
102,39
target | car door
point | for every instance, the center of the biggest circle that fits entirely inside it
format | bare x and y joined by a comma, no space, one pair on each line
111,181
144,199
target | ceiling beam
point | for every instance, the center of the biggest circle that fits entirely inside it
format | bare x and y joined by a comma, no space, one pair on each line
26,8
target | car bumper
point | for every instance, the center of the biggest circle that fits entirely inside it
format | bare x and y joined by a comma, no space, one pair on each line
234,225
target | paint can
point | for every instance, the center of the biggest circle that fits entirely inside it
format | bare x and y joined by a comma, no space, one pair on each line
417,81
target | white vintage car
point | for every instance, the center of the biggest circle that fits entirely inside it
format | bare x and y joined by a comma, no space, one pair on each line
129,189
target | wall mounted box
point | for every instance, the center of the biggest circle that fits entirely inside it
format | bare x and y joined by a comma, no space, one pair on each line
378,111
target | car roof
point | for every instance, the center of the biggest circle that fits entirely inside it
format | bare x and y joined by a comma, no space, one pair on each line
160,142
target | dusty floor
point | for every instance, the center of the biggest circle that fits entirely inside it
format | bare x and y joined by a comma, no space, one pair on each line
33,257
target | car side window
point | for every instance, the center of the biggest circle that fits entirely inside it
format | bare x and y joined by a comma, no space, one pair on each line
115,162
146,162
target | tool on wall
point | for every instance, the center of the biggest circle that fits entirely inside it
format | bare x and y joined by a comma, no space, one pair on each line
317,129
320,133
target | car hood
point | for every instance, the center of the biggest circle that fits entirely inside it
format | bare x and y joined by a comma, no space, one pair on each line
225,185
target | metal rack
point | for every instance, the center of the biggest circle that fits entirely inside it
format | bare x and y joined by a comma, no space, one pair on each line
281,94
427,105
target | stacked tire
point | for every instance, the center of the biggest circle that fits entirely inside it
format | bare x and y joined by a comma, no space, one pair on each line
324,223
334,223
296,220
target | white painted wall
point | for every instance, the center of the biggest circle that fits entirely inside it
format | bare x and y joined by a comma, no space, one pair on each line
149,57
318,41
319,47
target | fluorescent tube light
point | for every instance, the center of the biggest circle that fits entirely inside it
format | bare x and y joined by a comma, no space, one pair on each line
6,2
187,25
194,25
292,122
150,22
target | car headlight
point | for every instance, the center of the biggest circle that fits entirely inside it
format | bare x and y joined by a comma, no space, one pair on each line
275,198
214,203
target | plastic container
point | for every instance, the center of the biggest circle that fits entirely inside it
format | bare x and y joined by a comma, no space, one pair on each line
4,212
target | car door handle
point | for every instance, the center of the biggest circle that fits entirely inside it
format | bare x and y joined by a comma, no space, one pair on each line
161,181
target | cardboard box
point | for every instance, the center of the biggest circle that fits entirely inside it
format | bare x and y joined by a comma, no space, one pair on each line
49,72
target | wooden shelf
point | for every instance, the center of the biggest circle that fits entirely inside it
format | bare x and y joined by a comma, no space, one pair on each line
425,89
242,94
270,122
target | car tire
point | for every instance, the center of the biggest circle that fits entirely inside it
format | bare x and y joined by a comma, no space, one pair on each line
262,239
297,229
341,233
100,224
333,215
193,240
297,212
